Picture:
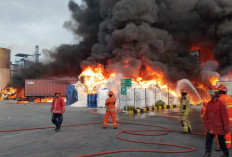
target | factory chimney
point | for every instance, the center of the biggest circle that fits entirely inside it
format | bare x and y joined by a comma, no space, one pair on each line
37,54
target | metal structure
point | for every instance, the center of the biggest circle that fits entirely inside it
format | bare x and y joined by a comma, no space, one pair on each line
37,54
4,66
22,59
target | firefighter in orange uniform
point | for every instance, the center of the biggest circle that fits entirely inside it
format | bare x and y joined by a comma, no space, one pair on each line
110,110
228,101
203,110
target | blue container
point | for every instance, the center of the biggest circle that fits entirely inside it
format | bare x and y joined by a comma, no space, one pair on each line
95,100
71,95
88,100
92,100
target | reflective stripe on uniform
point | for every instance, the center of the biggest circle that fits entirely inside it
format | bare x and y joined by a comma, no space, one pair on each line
114,123
110,109
104,123
230,118
228,141
229,106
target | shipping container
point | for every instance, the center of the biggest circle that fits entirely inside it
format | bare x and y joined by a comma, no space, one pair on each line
45,88
228,85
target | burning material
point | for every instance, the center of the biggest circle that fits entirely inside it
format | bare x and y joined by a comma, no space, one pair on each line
214,80
95,77
92,76
9,93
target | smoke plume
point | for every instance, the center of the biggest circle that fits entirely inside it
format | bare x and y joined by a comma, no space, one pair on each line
126,36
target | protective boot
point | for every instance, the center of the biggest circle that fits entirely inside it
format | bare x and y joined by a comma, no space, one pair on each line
57,129
189,129
207,154
225,153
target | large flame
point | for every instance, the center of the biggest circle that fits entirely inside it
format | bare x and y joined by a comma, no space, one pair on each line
213,80
92,76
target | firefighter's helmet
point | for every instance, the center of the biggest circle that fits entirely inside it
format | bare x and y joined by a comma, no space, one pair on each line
222,88
111,93
57,92
213,90
183,91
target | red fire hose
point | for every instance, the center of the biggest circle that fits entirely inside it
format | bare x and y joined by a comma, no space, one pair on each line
133,132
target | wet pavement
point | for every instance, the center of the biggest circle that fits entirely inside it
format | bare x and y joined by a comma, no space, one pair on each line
80,140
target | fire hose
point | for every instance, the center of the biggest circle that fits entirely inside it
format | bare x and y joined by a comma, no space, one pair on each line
133,132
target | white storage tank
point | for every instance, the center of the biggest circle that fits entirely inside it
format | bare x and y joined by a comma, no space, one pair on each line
4,66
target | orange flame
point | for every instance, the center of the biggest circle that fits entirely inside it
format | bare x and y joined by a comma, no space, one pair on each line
10,92
94,76
213,80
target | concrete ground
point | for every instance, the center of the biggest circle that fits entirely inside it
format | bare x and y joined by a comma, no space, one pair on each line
80,140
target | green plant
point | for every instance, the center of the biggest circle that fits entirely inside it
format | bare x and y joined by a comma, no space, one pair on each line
159,103
129,107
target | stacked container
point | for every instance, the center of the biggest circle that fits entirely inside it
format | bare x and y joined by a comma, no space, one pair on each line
92,100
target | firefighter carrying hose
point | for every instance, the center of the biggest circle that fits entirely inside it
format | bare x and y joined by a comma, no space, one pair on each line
110,110
216,122
184,111
228,102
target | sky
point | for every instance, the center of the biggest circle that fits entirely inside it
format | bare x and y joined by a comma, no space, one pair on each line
27,23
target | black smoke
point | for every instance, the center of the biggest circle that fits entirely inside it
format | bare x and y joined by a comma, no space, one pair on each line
158,33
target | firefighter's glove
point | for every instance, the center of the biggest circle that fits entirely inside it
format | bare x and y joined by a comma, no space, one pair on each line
211,131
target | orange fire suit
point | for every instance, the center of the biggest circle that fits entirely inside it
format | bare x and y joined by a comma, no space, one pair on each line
228,101
110,110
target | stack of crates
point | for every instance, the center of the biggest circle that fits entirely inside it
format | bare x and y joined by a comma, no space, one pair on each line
91,100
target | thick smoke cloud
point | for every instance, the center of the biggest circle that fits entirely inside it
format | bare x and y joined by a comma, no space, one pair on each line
127,35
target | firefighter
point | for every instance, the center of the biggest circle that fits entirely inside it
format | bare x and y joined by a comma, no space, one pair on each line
57,110
184,111
228,102
203,110
110,110
216,122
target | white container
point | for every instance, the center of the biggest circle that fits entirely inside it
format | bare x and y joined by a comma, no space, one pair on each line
150,97
102,95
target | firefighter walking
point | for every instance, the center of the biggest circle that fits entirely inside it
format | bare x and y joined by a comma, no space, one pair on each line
57,110
110,110
216,121
184,111
228,102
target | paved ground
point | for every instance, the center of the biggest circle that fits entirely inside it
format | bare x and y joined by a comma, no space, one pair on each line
74,141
